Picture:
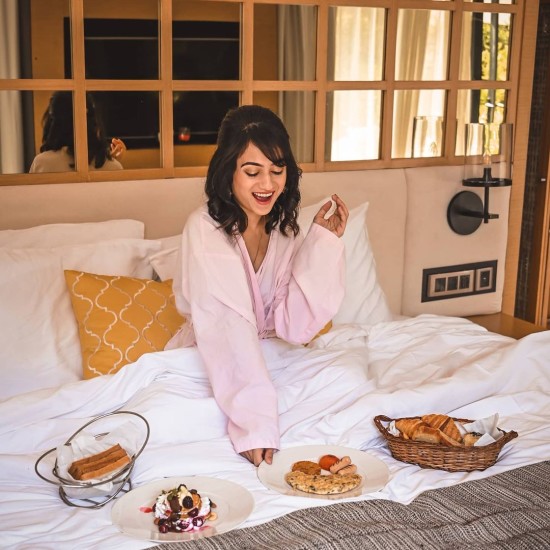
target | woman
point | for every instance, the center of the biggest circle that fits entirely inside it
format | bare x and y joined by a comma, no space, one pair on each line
247,273
57,149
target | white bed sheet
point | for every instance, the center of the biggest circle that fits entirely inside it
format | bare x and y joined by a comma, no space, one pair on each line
329,393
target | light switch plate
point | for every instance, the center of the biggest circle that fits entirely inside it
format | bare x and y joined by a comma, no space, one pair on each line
440,283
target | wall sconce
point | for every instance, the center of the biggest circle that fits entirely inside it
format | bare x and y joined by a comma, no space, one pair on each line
487,163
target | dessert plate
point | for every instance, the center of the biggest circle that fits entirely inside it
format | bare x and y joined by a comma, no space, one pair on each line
374,472
233,505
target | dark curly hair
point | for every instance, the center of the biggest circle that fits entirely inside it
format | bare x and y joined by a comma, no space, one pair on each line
58,129
262,127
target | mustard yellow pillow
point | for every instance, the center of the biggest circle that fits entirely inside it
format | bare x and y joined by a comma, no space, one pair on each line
120,318
324,330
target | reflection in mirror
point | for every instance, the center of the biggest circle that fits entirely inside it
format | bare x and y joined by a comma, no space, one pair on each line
478,106
422,51
197,118
353,125
485,46
33,32
356,43
285,38
132,117
206,40
297,111
57,141
427,106
121,41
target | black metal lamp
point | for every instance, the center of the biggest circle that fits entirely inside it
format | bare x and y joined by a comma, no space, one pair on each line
466,210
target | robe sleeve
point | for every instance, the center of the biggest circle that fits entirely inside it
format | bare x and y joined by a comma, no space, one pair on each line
312,288
215,287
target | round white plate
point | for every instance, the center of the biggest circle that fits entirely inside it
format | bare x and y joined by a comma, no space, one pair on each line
233,505
374,472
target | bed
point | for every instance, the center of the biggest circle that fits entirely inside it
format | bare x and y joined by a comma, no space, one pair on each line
385,354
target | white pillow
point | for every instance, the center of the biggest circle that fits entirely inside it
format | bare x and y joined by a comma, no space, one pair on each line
364,300
164,263
39,344
60,234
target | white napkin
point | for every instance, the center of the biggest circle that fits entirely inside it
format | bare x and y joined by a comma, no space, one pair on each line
487,427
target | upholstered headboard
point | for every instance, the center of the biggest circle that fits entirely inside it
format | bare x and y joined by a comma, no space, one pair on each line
406,221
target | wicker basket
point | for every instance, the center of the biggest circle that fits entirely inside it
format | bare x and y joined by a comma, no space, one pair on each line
442,457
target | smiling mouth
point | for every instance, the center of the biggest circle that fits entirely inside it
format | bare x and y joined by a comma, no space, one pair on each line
263,197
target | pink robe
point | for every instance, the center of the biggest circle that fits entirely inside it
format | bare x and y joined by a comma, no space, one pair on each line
229,307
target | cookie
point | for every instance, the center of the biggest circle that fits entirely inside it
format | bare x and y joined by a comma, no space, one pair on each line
307,467
323,485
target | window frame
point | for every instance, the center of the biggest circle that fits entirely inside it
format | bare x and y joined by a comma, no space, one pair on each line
247,87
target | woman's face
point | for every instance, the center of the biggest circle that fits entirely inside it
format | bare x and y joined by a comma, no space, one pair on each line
257,182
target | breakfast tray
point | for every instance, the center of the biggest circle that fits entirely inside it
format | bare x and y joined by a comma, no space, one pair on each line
442,457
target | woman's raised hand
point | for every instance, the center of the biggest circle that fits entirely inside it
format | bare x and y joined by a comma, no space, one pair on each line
118,148
337,221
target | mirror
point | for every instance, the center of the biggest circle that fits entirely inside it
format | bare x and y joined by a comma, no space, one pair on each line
353,125
417,128
478,106
423,45
486,45
285,40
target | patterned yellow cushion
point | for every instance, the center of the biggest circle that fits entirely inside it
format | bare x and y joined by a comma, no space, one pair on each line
120,318
324,330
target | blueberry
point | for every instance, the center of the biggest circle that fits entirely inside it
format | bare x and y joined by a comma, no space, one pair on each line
187,502
193,512
163,528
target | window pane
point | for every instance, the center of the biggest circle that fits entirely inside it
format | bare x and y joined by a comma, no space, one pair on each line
356,43
422,45
353,125
418,123
18,120
297,111
284,42
485,46
38,39
132,117
478,106
118,44
206,40
197,118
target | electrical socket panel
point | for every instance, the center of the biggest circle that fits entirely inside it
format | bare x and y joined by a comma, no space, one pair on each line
446,282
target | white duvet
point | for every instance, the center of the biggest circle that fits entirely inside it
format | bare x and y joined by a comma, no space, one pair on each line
329,393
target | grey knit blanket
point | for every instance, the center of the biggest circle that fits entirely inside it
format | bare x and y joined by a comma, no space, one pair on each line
509,511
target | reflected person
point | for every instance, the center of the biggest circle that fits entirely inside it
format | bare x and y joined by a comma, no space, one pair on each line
57,149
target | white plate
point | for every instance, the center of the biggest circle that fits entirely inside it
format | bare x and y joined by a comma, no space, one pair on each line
374,472
233,505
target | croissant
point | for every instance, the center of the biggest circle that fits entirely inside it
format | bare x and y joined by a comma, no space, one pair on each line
444,423
408,426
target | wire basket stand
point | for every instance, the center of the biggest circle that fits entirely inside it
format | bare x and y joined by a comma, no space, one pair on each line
120,479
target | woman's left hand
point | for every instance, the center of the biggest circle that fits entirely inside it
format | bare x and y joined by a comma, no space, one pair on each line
337,221
256,456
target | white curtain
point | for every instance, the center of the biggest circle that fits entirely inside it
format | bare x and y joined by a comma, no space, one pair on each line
11,121
297,38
